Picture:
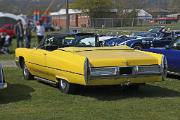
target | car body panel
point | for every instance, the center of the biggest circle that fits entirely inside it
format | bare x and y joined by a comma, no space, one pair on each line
68,63
172,56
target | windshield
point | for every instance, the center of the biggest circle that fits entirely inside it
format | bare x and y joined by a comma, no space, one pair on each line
55,42
145,34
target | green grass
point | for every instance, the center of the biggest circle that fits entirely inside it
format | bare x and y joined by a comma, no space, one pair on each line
32,100
7,57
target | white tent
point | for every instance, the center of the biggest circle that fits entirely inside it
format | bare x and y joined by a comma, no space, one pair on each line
15,17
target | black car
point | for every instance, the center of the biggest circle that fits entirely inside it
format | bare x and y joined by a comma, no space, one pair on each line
58,40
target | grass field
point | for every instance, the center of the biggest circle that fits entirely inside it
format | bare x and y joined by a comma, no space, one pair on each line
32,100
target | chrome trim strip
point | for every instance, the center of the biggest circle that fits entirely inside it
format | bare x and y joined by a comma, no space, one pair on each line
45,80
173,73
134,74
55,68
124,76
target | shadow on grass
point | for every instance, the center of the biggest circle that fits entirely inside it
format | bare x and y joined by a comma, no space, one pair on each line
15,93
110,93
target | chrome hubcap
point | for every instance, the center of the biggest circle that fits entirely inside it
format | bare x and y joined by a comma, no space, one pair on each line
63,84
25,71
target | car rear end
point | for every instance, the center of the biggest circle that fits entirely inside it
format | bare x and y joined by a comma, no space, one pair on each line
123,74
127,69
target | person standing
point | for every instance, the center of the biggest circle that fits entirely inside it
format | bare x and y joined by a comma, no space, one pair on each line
19,33
28,35
40,30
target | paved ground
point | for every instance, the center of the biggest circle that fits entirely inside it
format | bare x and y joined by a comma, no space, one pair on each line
8,63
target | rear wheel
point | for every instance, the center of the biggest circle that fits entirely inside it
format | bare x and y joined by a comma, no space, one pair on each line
27,75
66,87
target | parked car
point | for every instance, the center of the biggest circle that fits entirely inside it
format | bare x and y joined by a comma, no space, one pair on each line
156,29
176,33
71,60
172,53
145,42
3,84
8,29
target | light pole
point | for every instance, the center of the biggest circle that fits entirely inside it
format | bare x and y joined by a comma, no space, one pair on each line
67,16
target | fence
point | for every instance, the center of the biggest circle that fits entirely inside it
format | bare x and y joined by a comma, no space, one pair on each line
118,22
109,22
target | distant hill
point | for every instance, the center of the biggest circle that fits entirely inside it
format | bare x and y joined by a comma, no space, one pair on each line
27,6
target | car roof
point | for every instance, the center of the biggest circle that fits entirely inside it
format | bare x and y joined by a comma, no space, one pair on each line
71,34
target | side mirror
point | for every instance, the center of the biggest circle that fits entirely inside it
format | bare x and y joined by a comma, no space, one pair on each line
167,47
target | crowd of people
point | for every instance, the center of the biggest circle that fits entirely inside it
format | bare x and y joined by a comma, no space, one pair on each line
5,42
23,36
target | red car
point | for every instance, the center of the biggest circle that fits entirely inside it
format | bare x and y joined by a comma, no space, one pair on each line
9,29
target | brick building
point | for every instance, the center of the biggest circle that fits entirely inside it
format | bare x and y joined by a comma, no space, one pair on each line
77,18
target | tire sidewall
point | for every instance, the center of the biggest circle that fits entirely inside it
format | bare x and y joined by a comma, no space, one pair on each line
137,47
27,75
64,86
69,88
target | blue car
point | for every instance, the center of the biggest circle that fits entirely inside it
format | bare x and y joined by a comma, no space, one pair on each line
115,41
143,42
172,54
154,40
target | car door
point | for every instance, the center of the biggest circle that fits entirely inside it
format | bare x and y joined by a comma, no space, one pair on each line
37,61
51,44
173,57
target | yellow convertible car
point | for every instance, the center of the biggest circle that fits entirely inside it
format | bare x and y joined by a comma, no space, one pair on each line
68,60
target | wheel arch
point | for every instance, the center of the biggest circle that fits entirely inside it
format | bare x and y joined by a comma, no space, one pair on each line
58,78
21,61
136,44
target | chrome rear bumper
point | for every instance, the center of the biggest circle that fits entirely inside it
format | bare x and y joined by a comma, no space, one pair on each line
3,85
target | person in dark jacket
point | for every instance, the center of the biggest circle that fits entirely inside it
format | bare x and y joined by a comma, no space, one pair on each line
28,35
19,33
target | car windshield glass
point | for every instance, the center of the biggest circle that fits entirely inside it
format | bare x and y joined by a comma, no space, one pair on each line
55,42
88,41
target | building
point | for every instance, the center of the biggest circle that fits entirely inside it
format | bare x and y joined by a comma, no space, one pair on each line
144,15
77,18
177,15
158,12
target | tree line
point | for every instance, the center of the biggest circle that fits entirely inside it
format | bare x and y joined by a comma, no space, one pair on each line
100,8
